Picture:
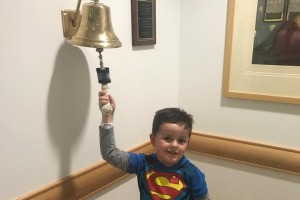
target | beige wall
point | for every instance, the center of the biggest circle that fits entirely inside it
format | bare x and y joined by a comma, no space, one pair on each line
49,115
203,25
49,112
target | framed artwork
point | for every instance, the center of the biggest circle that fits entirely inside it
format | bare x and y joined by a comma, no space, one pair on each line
274,10
293,8
143,22
262,53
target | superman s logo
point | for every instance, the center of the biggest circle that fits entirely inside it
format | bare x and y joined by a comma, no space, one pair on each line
164,185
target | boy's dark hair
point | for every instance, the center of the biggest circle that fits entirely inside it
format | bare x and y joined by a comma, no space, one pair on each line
174,116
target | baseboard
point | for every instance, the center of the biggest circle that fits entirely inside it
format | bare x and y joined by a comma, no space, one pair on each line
95,178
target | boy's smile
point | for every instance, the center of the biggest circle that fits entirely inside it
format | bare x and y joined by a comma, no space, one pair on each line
170,142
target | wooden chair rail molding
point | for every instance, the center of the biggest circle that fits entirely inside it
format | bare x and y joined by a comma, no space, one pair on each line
95,178
84,183
283,159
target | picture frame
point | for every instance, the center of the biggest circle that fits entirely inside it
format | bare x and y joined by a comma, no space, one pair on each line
244,78
274,10
143,22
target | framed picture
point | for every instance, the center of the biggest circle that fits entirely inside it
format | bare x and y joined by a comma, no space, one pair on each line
293,8
143,22
262,59
274,10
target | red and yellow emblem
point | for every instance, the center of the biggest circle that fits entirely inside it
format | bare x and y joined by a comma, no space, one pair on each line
164,185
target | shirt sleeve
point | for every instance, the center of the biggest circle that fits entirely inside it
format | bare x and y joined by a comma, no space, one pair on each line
136,163
110,153
198,183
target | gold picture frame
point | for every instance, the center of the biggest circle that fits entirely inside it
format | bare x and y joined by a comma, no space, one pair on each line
258,81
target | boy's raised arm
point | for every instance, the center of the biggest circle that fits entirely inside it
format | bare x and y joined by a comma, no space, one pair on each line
109,151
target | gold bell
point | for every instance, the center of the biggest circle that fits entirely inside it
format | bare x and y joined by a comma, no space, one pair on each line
92,28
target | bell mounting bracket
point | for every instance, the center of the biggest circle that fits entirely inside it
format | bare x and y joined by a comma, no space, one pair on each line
70,25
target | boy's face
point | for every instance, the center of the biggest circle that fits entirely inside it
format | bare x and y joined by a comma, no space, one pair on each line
170,142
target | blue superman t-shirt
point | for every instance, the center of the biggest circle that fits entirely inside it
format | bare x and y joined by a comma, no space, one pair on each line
183,181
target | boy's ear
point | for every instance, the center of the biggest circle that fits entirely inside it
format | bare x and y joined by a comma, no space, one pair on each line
152,139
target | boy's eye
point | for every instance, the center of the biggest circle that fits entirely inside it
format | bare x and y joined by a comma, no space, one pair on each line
182,141
168,139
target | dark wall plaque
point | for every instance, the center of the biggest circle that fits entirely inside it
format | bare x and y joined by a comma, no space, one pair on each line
143,22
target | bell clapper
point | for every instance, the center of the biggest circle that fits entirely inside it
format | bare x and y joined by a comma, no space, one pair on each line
104,79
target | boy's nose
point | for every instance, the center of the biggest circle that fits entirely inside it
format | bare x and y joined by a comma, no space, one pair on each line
174,143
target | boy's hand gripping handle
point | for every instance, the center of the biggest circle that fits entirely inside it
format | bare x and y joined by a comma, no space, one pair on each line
107,108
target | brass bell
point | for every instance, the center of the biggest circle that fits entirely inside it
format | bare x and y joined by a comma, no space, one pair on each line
94,27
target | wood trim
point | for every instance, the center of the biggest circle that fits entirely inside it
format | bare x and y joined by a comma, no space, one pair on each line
86,182
228,48
273,157
95,178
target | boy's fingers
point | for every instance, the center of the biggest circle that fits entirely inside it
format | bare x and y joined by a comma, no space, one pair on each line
101,93
111,100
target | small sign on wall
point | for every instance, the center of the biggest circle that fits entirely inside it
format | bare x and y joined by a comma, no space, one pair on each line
143,22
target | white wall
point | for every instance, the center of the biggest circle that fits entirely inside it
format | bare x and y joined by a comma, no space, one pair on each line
202,26
201,71
48,108
49,113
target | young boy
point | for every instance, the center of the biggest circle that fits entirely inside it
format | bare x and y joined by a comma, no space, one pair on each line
167,174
